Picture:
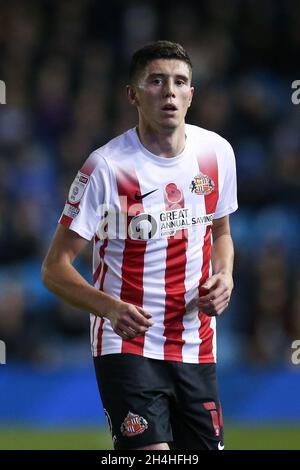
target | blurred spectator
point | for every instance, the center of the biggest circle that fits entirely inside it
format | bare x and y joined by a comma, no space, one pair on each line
53,105
295,309
17,329
271,308
140,25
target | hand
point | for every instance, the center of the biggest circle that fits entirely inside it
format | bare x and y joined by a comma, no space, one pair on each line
216,297
128,320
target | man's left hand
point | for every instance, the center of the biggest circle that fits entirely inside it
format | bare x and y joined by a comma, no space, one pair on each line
216,294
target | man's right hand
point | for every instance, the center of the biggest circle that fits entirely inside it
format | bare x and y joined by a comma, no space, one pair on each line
129,321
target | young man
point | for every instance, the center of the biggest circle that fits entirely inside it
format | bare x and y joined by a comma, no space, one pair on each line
156,201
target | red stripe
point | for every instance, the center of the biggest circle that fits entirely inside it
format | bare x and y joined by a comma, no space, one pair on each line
211,406
101,253
95,279
66,221
97,273
99,339
208,165
215,421
132,290
100,331
174,282
105,268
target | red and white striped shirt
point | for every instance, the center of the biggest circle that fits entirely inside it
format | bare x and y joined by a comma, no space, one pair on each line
151,219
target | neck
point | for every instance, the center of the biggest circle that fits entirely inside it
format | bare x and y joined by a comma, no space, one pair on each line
168,144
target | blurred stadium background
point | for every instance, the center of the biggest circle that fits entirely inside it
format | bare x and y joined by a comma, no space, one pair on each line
64,64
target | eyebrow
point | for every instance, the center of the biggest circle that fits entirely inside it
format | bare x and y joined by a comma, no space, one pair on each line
158,74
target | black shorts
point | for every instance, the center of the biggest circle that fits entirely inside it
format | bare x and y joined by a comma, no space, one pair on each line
147,401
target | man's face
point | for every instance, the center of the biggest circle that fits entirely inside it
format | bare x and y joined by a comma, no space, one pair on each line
163,94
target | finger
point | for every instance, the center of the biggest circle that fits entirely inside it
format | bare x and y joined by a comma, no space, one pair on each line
143,312
213,294
132,333
140,319
213,303
203,291
210,282
220,309
121,333
222,300
215,308
135,327
126,333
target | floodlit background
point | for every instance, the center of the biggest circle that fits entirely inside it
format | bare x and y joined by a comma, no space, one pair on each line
64,64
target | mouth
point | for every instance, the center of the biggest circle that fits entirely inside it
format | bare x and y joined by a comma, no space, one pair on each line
169,108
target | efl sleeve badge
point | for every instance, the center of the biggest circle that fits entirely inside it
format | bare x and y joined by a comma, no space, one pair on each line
78,187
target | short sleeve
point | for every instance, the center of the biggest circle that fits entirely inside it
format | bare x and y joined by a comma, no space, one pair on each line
88,196
227,202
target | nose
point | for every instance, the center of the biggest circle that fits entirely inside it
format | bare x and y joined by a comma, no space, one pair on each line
169,89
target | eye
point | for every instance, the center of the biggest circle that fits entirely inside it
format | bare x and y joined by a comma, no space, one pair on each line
157,81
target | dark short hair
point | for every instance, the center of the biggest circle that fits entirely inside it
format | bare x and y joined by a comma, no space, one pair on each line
156,50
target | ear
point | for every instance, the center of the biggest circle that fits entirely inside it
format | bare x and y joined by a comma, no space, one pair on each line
192,94
131,95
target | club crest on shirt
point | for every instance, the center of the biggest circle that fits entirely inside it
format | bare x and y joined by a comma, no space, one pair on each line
133,424
78,187
202,185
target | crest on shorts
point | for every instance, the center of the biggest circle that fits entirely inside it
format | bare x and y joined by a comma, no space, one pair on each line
133,424
202,185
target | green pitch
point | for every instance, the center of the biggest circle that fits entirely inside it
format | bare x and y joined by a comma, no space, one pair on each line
284,438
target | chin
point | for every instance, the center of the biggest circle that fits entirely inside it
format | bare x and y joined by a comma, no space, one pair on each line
169,127
170,124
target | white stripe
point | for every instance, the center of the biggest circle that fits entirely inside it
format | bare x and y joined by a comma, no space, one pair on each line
213,325
154,281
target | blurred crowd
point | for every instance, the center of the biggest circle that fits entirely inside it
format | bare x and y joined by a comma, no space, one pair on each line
65,68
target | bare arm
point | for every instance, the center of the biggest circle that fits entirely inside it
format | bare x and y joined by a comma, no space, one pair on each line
220,284
61,278
222,249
